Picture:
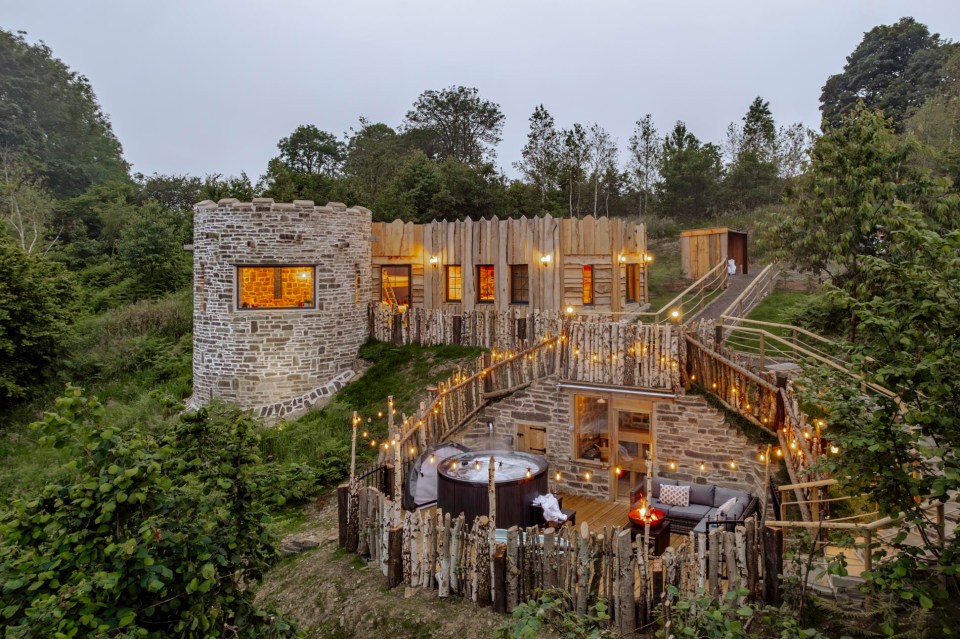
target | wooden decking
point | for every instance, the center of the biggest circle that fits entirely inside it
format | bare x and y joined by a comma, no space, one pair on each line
601,513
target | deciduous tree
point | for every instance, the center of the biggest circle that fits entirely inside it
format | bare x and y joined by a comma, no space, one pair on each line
690,175
540,165
466,127
645,148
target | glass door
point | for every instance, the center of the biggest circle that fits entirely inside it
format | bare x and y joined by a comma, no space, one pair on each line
632,451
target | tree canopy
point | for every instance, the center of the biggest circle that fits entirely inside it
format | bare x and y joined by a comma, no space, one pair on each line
895,68
50,118
464,126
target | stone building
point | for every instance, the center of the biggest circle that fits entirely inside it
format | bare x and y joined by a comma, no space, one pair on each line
280,301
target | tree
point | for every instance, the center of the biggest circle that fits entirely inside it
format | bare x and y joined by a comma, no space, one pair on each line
690,174
26,208
36,310
576,154
902,452
50,115
645,148
541,154
411,194
752,176
936,124
374,154
602,159
793,143
310,150
151,251
465,126
141,535
894,69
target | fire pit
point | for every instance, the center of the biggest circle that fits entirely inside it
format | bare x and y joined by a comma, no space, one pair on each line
640,515
519,479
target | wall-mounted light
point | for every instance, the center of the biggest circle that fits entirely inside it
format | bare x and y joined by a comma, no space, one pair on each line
648,258
623,258
435,261
545,260
569,310
675,314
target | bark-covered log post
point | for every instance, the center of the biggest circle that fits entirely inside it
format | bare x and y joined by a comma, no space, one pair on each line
713,563
730,558
751,556
513,569
626,607
492,509
772,564
363,547
456,569
481,592
549,559
500,578
443,549
343,513
583,569
351,540
395,559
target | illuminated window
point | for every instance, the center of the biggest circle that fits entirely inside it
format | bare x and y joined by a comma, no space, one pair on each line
519,284
592,430
275,287
486,290
454,283
587,284
395,285
633,282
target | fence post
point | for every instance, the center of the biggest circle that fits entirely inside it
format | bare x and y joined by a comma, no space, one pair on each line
867,549
395,557
762,358
772,564
343,516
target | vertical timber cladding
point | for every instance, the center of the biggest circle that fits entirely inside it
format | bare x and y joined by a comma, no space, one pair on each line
277,360
553,250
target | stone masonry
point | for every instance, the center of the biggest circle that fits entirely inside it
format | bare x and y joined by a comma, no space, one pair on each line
687,431
271,361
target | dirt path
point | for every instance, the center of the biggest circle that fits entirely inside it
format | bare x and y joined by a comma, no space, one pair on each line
332,595
738,283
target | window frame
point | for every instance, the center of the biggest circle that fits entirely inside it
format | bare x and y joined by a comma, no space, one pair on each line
238,296
409,268
446,283
588,268
525,269
493,277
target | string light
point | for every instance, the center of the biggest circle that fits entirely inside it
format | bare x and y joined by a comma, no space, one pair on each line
703,467
618,471
558,476
733,465
779,453
762,458
433,459
364,434
413,450
835,450
673,465
587,475
529,474
379,413
453,465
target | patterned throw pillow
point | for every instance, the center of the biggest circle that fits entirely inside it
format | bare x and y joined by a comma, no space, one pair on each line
675,495
727,508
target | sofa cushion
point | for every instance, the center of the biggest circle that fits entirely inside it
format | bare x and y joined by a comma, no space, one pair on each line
693,511
657,482
702,494
723,494
675,495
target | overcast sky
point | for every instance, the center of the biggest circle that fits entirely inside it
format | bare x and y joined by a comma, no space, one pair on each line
210,87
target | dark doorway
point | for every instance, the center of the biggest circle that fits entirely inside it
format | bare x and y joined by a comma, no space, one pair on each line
737,249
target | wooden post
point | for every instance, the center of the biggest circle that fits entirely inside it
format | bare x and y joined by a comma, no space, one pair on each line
500,578
395,557
492,509
455,574
443,544
583,569
772,564
750,556
867,549
730,556
549,559
713,564
343,508
513,569
626,609
351,540
482,589
766,486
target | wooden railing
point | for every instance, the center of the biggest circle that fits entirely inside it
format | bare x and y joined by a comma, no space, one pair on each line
687,305
761,286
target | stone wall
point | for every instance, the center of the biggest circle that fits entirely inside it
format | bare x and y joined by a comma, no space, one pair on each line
275,362
542,404
688,432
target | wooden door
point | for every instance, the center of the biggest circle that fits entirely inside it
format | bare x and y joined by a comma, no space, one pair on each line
532,439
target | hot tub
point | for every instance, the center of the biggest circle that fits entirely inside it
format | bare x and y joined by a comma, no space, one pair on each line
519,478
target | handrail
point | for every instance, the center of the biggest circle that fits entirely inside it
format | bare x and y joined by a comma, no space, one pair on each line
764,277
718,274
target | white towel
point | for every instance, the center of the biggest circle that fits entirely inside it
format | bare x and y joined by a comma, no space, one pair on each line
551,507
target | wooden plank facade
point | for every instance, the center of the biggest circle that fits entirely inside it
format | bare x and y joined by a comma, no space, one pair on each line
703,249
548,255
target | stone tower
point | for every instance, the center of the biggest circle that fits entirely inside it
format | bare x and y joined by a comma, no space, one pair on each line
280,301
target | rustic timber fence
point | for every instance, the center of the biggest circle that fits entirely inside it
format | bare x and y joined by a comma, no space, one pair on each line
434,550
693,299
515,329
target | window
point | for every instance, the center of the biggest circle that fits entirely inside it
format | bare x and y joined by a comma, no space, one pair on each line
519,284
395,285
587,284
454,283
592,428
486,290
633,282
275,287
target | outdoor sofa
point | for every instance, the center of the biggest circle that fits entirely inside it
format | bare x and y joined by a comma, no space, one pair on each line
705,502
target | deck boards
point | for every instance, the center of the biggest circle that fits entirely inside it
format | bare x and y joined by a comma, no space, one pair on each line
600,513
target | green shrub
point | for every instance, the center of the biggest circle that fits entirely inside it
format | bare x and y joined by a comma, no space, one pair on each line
554,610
